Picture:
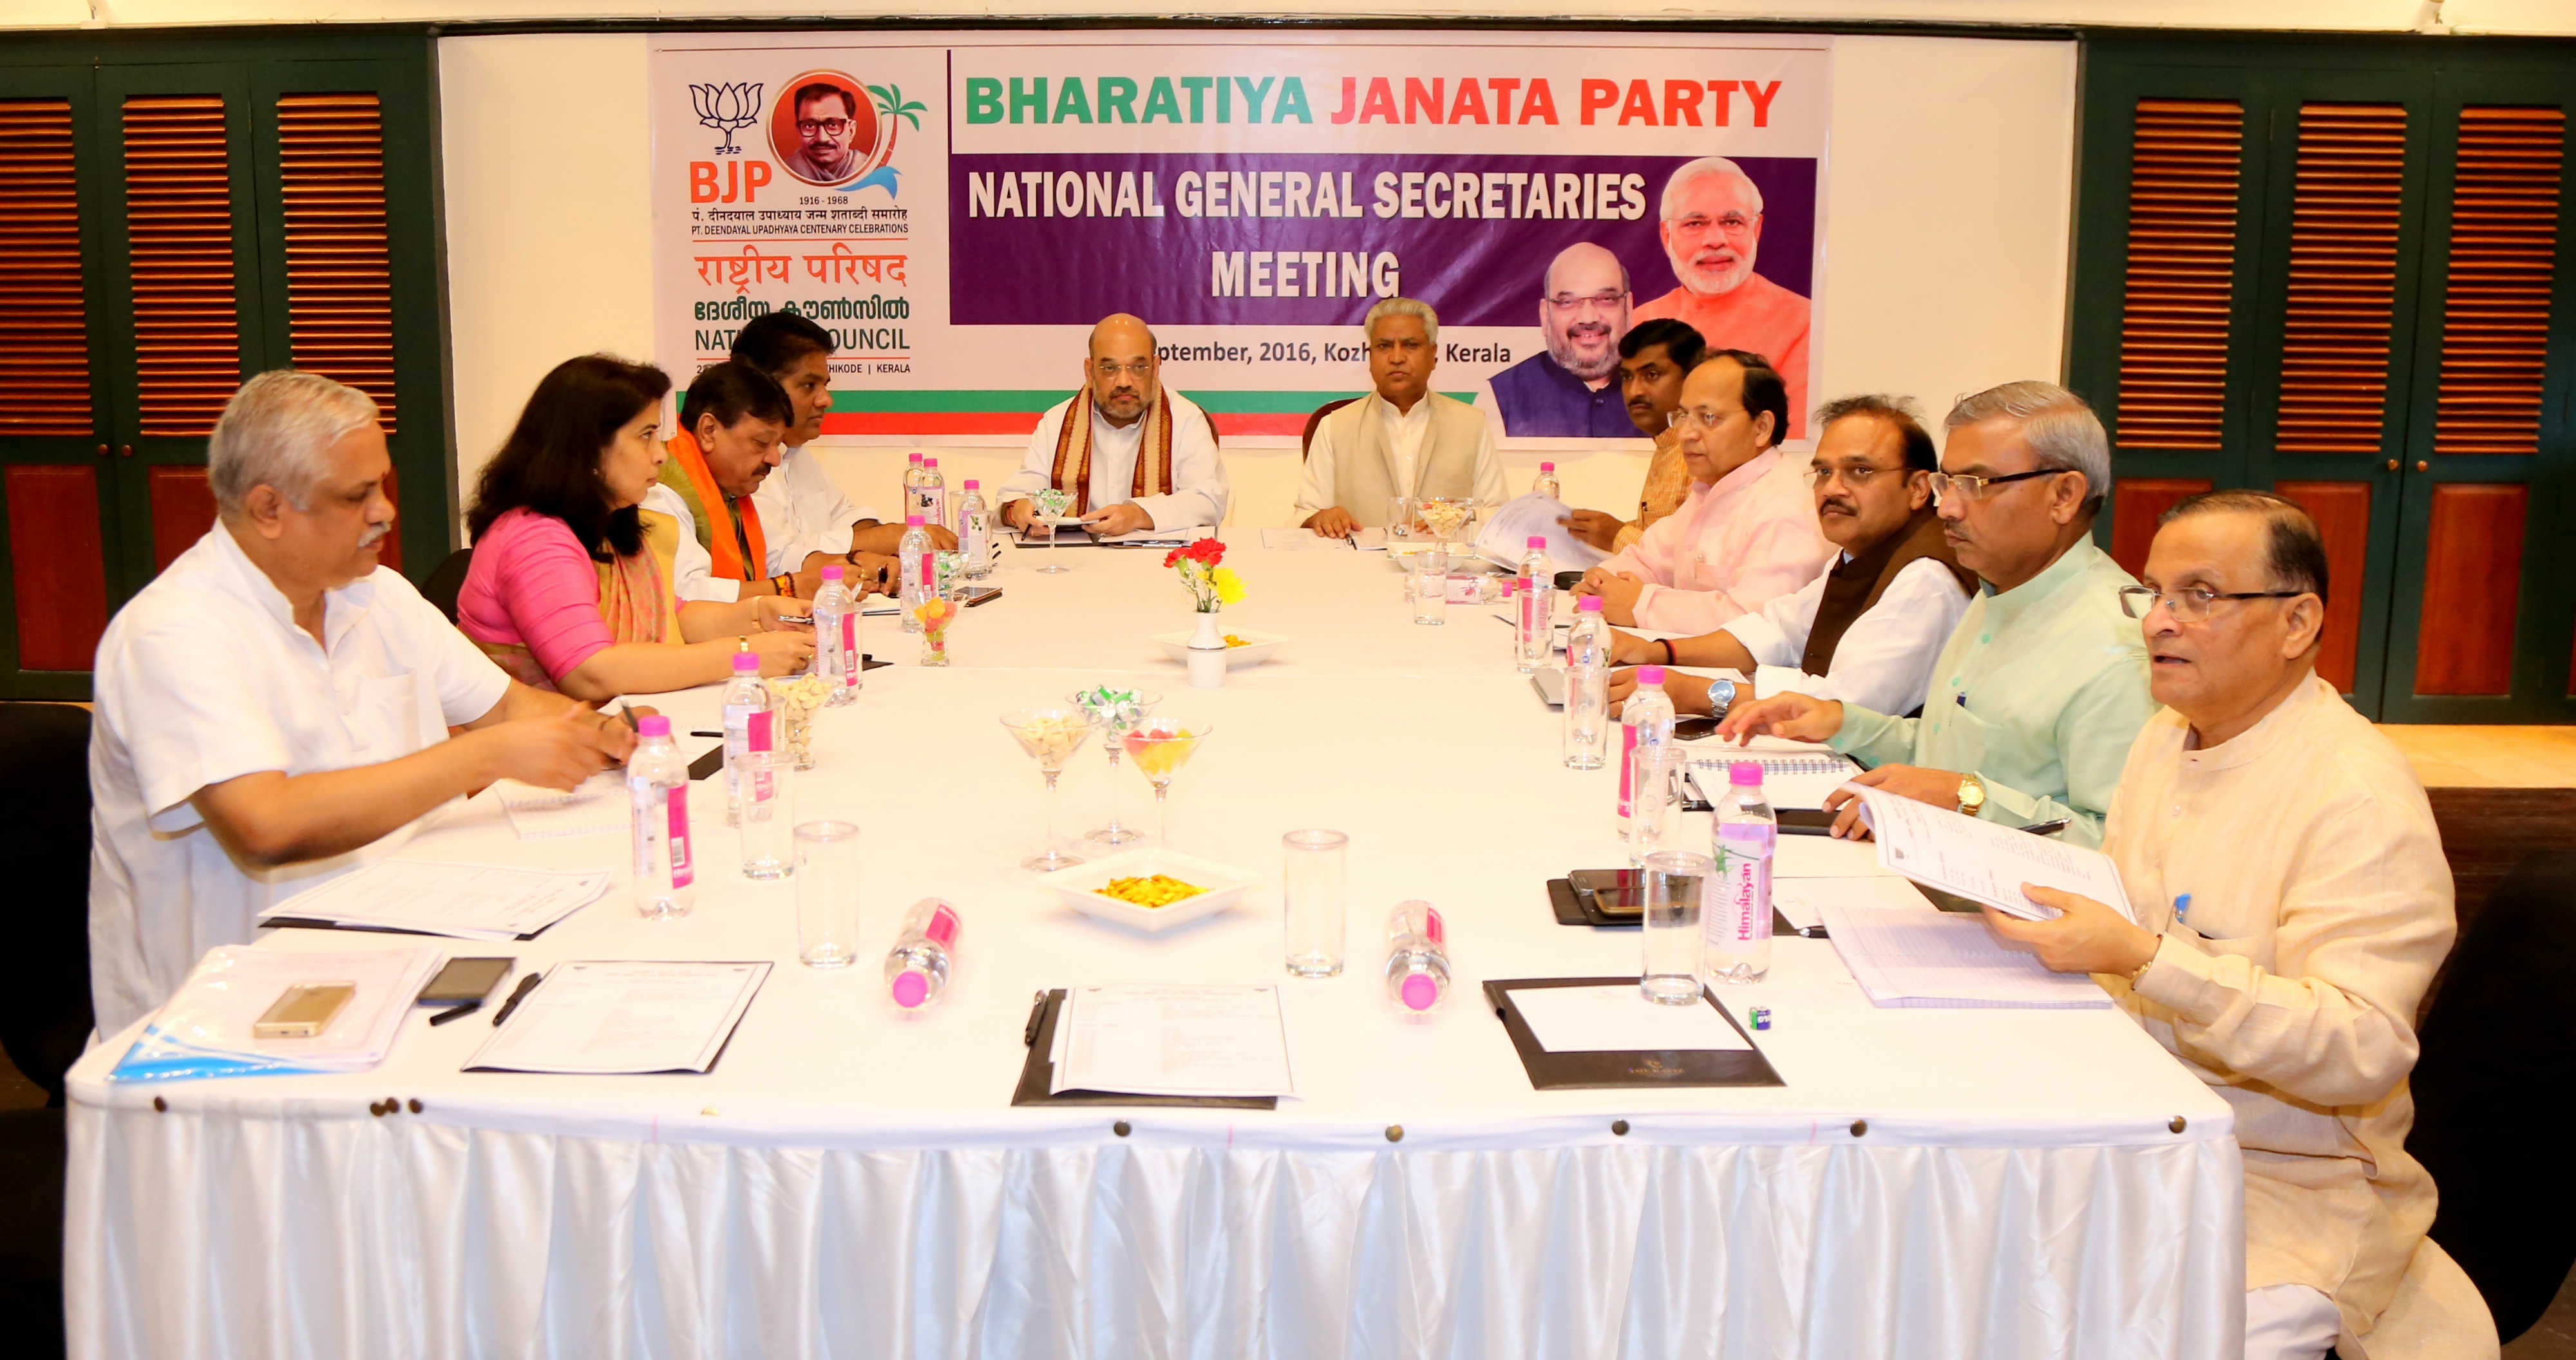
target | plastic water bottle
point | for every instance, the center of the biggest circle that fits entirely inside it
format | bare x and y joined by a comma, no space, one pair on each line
657,791
1645,726
916,971
836,639
766,852
1417,960
744,696
1735,913
975,532
914,555
912,483
934,493
1547,484
1535,630
1587,688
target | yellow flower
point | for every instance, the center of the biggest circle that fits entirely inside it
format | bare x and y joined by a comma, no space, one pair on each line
1229,587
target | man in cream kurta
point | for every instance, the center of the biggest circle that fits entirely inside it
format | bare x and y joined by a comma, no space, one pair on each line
1403,439
2292,902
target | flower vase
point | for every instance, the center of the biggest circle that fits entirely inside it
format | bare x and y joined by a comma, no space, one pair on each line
1207,653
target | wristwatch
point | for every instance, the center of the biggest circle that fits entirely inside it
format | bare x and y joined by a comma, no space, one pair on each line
1972,794
1721,697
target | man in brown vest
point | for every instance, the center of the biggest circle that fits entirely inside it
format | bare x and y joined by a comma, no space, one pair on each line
1870,626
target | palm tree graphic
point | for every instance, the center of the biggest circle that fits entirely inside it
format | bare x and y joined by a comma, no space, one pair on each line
896,110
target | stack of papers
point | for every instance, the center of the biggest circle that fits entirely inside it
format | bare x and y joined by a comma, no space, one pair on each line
593,807
1801,901
204,1030
1510,526
1984,862
617,1019
1172,1041
432,897
1917,956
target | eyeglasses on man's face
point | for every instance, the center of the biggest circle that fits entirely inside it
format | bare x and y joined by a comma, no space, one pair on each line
1684,417
2192,603
1605,301
811,128
1109,368
1948,484
1855,475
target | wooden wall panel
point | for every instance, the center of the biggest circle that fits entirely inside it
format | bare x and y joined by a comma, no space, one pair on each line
2342,513
183,508
2503,258
179,228
57,565
44,348
2181,275
2342,291
2135,503
339,275
2472,583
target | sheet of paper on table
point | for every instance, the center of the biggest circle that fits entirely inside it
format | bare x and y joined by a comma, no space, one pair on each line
1907,956
1510,526
204,1029
595,806
1179,1040
1802,900
1618,1019
441,897
613,1018
1986,862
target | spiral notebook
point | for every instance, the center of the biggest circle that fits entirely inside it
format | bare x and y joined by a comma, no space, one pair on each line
1790,779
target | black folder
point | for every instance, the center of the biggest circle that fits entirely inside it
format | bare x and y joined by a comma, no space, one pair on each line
1612,1070
1038,1073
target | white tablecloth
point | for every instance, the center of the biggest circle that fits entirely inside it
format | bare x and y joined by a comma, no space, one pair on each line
852,1181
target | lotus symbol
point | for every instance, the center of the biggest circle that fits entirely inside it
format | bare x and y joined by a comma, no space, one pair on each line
727,109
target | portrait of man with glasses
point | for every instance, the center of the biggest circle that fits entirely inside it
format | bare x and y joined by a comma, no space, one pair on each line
1569,390
833,135
1712,234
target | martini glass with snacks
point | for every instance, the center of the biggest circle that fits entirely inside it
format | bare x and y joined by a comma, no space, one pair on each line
1448,518
1159,747
1050,736
1049,507
1115,712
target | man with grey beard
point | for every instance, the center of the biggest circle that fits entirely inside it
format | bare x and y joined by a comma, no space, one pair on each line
1567,391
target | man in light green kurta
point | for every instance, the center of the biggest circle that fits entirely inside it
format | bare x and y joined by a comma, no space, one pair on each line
2042,687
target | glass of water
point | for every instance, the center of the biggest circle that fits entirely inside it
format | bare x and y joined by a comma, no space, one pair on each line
1431,586
827,893
1654,799
1315,900
1399,518
1674,880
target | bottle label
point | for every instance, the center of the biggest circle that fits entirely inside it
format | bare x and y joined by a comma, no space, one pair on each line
850,662
1627,764
682,872
1529,606
942,927
1432,930
1742,891
924,559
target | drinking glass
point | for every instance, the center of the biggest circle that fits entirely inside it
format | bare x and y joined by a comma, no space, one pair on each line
1674,880
1115,712
1315,897
1045,509
1399,518
1431,585
1050,736
1044,531
827,893
1448,518
1160,747
766,789
1654,799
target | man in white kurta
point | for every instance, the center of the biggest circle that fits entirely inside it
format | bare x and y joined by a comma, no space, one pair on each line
1139,455
1401,440
274,707
2292,903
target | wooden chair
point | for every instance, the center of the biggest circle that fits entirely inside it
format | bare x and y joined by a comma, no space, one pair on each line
1306,441
447,580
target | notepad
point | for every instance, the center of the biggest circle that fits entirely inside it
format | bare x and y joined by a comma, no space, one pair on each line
1801,901
1790,779
1986,862
1904,956
1178,1040
1619,1019
624,1018
438,897
593,807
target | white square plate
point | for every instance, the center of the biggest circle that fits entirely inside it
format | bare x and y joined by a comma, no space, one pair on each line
1080,887
1256,647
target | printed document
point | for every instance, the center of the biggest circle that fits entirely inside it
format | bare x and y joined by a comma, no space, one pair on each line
1173,1041
609,1018
1985,862
1911,956
1510,526
438,897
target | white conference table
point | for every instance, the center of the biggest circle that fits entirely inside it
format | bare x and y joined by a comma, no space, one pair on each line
851,1180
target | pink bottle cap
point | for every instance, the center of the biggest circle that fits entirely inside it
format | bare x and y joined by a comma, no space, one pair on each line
1538,540
930,462
972,484
1547,467
1744,774
832,572
916,457
1650,675
746,663
654,726
911,520
1420,992
911,988
1512,586
1589,604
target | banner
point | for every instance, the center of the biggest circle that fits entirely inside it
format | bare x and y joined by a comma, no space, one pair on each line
958,209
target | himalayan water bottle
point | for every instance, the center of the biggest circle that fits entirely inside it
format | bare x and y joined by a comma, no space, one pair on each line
1417,960
766,852
836,639
912,484
975,532
1735,912
1534,629
657,792
1547,484
744,696
916,970
913,557
1587,688
934,493
1645,728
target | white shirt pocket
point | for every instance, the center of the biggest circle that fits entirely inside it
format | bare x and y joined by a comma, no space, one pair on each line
385,719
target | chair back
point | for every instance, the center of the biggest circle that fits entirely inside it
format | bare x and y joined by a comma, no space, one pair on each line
1306,442
447,580
2497,1050
45,841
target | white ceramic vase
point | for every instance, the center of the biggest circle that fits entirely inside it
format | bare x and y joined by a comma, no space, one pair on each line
1207,654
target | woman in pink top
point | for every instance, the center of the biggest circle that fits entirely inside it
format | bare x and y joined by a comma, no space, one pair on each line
571,583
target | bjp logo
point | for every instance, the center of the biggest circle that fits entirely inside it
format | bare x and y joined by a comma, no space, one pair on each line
832,131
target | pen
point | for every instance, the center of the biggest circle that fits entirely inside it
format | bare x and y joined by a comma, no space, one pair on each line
1037,1014
792,618
717,735
517,993
456,1013
624,710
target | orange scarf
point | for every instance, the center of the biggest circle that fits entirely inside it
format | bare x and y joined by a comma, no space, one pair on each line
714,514
1153,475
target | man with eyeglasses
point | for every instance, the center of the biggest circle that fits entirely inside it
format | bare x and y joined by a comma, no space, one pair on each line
1654,358
2042,686
2284,967
1402,440
827,149
1869,626
1712,233
1131,453
1569,390
1748,533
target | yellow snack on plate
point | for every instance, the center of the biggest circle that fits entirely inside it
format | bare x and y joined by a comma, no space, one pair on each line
1157,890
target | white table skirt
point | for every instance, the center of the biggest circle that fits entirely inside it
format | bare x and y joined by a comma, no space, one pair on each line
852,1182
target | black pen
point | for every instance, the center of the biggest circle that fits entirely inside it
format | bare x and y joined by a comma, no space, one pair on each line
1037,1015
456,1012
717,735
627,711
516,994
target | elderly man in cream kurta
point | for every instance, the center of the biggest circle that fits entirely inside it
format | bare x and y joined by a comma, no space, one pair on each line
1402,439
2292,906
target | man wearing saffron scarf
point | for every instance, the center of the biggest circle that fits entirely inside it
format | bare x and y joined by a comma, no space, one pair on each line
1129,453
733,423
1869,627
